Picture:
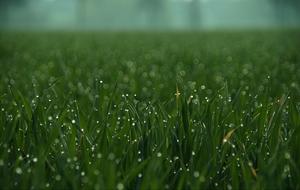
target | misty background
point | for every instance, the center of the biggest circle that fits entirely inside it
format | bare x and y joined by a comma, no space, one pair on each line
148,14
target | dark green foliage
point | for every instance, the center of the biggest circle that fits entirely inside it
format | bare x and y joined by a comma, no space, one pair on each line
99,110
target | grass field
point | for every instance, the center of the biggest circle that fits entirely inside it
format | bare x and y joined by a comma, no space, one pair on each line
210,110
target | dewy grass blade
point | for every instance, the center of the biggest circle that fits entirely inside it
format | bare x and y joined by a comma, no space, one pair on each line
183,110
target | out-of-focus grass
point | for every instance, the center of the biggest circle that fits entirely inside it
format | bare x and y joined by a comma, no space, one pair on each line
101,111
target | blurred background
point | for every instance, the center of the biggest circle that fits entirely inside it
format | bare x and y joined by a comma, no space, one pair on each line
148,14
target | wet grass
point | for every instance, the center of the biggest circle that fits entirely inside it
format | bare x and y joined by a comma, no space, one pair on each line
150,110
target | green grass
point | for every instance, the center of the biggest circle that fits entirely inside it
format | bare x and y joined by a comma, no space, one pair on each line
99,110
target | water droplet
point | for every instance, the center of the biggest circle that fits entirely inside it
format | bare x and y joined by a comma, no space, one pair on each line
99,155
120,186
158,154
19,171
196,174
34,159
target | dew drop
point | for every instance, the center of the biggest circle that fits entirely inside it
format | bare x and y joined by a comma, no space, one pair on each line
19,171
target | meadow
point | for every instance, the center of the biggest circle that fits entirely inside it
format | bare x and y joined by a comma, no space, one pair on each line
160,110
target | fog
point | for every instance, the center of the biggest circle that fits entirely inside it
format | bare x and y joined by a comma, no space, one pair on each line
148,14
